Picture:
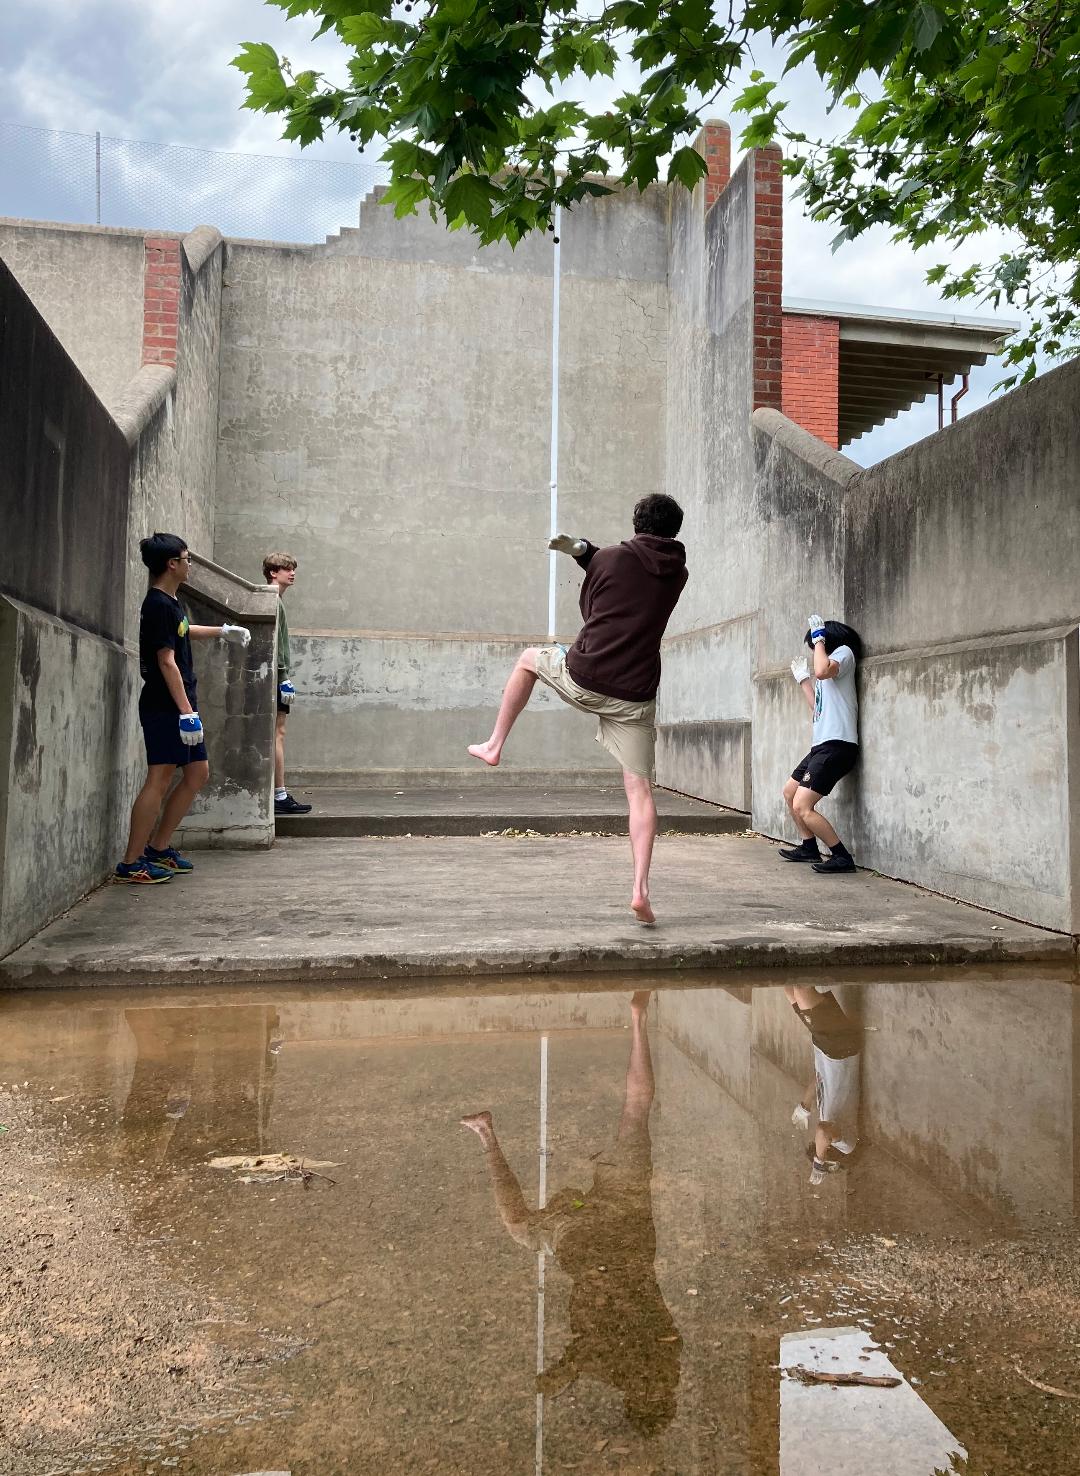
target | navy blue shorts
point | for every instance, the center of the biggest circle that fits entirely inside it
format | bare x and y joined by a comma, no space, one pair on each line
161,734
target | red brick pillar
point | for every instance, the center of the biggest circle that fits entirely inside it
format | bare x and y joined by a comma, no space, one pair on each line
161,299
768,277
812,375
713,143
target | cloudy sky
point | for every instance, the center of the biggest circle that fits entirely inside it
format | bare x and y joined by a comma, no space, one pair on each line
158,70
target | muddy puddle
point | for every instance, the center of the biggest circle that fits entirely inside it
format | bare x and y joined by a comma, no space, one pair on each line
634,1255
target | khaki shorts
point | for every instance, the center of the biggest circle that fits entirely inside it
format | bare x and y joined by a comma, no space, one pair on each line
626,729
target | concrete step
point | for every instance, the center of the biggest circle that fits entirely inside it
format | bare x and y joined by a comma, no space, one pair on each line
374,812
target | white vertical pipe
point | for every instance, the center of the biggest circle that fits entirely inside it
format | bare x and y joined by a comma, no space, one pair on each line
541,1258
553,485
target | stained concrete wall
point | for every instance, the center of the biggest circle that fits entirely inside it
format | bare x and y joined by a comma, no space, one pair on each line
87,282
385,417
705,706
78,487
956,561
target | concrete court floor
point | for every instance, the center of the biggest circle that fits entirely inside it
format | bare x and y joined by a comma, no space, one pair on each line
383,908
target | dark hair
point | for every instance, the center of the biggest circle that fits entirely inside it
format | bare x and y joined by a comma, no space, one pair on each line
658,514
839,634
158,549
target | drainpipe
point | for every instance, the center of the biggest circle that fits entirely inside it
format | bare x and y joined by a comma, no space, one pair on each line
553,484
960,393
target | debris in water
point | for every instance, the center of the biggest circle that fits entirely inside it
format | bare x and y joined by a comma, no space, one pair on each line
1046,1388
817,1376
274,1168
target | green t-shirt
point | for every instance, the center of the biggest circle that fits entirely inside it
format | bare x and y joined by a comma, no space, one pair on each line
284,656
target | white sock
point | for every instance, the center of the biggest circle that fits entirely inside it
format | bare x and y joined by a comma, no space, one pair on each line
281,794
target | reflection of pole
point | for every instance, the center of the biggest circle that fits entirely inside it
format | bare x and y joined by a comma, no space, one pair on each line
541,1255
97,178
553,485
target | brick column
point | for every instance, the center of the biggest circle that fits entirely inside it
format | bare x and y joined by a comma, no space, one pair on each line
812,375
161,299
768,277
713,143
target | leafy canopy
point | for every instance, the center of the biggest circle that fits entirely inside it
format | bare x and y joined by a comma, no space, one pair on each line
964,117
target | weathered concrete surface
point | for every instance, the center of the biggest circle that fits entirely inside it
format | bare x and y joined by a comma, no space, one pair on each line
87,283
337,909
474,810
237,703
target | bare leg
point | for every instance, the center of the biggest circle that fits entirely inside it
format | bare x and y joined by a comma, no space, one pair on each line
809,821
144,811
179,802
515,695
640,1081
791,788
639,797
279,749
509,1200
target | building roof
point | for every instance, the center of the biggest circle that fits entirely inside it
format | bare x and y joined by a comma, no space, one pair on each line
890,358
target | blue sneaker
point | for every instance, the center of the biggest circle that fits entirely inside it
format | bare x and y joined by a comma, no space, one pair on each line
169,859
142,872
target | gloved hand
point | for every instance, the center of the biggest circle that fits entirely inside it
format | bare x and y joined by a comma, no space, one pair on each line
286,691
817,627
236,635
800,1117
818,1172
800,670
191,729
564,543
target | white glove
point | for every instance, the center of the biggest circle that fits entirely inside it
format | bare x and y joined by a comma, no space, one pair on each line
286,691
236,635
800,670
564,543
817,627
191,729
800,1117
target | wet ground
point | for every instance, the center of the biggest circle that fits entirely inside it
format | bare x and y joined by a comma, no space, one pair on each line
625,1269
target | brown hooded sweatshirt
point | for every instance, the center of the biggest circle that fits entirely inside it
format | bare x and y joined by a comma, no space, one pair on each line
626,600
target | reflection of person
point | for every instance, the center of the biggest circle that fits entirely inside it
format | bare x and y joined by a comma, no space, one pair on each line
612,671
172,729
835,751
835,1086
279,569
605,1240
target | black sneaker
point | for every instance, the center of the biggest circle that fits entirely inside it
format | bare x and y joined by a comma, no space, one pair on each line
800,853
289,806
835,863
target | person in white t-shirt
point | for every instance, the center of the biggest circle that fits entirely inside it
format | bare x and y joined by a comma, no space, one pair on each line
830,691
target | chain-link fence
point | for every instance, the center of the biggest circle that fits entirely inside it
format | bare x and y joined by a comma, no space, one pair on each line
88,178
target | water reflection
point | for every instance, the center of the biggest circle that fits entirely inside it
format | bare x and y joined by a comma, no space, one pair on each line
835,1086
689,1265
604,1239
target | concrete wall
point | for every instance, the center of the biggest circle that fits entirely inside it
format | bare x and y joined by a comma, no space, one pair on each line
955,565
385,417
704,708
87,282
78,488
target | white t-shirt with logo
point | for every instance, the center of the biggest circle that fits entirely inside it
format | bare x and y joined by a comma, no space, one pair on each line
836,707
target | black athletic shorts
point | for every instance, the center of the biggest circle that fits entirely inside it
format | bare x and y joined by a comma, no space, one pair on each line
825,765
161,735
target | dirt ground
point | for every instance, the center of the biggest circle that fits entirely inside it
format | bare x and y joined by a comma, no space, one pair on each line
102,1348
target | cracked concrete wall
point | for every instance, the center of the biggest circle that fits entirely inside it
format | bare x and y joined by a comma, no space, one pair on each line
87,283
385,417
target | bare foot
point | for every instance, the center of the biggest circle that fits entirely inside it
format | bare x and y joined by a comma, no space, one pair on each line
486,753
640,1002
642,911
479,1122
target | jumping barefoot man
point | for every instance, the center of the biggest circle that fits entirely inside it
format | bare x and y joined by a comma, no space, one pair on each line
613,668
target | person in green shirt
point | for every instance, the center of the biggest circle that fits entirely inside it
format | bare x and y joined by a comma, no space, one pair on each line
279,569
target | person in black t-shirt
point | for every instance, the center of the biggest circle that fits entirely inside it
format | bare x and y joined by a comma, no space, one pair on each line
168,712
